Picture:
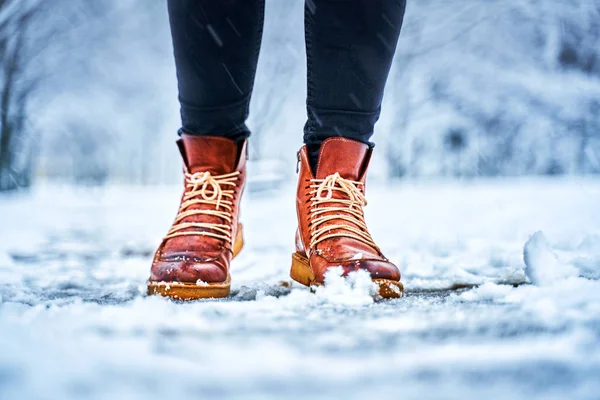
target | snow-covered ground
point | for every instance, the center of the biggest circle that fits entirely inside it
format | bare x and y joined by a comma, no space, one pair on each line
75,321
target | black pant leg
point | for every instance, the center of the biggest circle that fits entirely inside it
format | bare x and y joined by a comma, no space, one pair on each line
350,46
216,45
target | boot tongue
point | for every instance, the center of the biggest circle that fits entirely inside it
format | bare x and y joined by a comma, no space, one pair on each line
212,154
346,157
341,155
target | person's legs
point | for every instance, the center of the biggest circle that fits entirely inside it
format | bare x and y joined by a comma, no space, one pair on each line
216,45
350,45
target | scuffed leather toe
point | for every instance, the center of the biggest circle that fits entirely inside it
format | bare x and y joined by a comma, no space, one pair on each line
378,269
188,271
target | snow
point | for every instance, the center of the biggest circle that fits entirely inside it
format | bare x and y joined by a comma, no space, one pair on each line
75,321
542,265
487,292
357,289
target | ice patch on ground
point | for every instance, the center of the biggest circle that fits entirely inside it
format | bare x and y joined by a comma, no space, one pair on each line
259,290
542,265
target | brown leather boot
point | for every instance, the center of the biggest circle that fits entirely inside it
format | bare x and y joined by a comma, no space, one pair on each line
192,262
331,226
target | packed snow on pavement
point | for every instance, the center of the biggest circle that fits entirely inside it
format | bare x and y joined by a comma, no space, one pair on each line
503,299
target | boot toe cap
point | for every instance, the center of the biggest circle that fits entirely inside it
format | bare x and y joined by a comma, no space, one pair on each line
378,269
188,271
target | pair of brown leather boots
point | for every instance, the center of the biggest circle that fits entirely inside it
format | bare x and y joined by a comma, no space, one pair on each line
193,260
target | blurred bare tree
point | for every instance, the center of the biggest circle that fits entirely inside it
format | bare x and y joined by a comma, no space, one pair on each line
17,82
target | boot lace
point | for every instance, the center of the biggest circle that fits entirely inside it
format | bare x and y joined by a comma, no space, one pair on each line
205,188
348,210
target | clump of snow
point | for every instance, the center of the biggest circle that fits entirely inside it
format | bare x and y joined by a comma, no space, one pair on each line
357,256
200,282
542,265
356,289
588,257
487,292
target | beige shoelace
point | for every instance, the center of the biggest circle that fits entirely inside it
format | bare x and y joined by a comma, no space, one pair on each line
206,189
351,210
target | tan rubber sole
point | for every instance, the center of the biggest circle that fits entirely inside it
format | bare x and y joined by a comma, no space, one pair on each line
190,291
193,291
302,273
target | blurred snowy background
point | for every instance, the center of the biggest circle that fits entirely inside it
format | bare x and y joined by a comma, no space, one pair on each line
478,88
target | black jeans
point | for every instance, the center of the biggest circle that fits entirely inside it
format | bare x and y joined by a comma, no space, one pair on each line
350,45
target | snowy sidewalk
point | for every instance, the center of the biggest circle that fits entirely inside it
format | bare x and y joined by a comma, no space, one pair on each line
75,322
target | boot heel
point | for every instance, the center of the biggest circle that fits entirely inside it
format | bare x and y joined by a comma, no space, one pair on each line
301,271
238,243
